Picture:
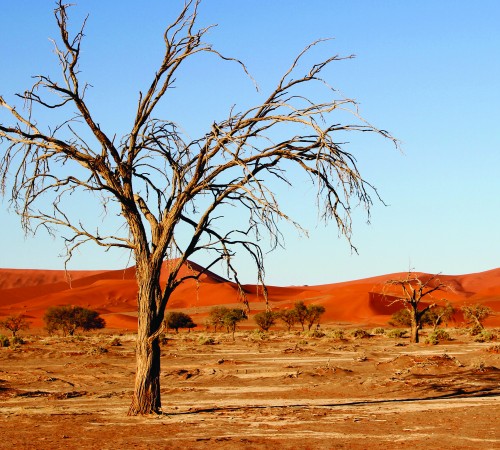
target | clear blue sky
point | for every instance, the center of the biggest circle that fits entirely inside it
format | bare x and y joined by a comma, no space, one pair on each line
427,71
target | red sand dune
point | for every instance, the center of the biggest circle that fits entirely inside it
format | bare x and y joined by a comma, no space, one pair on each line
113,294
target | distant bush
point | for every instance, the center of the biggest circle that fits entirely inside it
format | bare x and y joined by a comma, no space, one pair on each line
68,319
396,333
438,315
258,335
308,314
401,318
359,333
437,336
485,336
116,342
442,335
475,330
232,318
17,340
216,317
4,341
314,313
265,319
175,320
337,334
288,317
475,315
378,331
15,323
204,340
493,349
97,350
432,339
315,333
220,316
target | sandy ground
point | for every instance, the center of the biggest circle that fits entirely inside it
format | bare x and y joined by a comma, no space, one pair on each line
275,391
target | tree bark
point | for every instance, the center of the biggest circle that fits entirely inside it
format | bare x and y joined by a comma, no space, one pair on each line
414,327
146,398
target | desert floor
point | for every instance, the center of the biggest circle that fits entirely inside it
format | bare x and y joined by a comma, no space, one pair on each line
276,390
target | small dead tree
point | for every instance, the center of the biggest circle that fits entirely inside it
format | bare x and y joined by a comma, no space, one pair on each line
15,324
410,291
157,180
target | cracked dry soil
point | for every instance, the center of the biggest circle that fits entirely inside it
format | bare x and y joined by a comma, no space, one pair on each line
281,392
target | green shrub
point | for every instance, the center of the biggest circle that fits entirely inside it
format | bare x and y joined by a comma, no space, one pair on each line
204,340
175,320
485,336
396,333
17,340
437,336
116,342
475,330
401,318
258,335
308,315
69,318
432,339
265,319
442,335
475,315
359,333
378,331
337,334
315,334
4,341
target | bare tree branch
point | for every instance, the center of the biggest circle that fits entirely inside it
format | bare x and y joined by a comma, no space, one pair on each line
159,181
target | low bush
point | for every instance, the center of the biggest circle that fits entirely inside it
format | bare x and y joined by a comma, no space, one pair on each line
493,349
204,340
475,330
485,336
396,333
116,342
442,335
258,335
4,341
265,319
17,340
378,331
437,336
432,339
337,334
359,333
97,350
315,334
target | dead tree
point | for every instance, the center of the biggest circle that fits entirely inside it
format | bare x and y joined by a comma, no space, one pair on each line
409,291
158,180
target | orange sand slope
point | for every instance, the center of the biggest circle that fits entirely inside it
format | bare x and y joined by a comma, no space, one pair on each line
113,294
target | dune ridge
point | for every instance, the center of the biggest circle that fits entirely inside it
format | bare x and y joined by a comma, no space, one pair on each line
113,293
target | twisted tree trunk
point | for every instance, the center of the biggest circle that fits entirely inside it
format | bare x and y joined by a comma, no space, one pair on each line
147,398
414,325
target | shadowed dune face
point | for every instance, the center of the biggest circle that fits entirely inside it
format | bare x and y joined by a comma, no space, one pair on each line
113,294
